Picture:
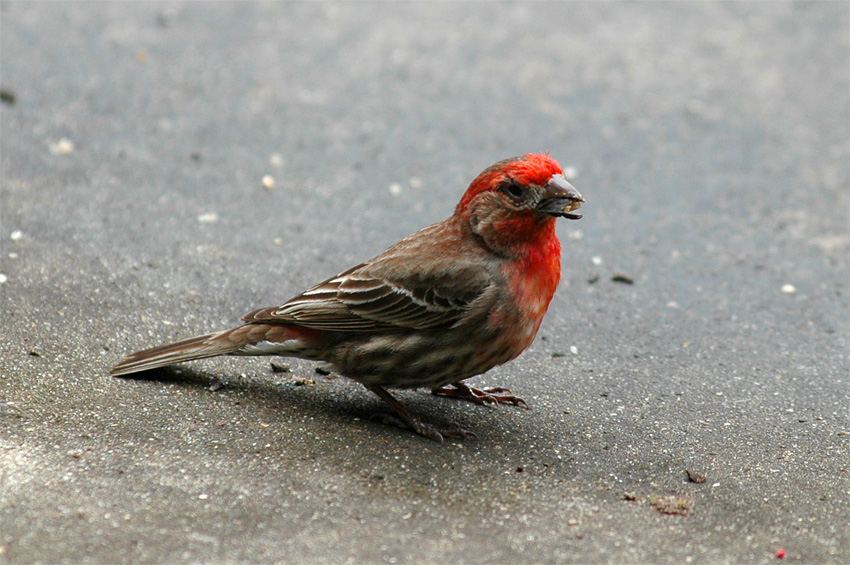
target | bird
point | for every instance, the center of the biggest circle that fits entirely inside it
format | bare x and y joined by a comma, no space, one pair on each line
442,305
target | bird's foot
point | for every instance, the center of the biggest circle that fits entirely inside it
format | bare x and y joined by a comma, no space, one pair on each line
405,418
426,429
492,396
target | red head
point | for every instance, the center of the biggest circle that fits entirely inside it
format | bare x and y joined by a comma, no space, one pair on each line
516,201
528,169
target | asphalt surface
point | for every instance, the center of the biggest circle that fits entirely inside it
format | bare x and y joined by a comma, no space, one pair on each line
701,325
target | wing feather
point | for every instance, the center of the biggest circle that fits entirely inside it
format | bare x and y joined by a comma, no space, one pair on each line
372,296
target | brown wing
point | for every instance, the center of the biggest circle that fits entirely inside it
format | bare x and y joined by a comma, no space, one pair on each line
377,296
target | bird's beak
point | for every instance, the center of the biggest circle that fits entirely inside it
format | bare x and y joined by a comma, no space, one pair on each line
560,198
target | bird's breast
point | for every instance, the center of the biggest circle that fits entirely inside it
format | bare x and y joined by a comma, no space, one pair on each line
532,280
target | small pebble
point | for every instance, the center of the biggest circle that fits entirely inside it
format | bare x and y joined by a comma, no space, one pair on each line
695,106
166,17
597,260
789,288
208,218
3,278
16,235
395,189
268,182
7,96
674,505
61,147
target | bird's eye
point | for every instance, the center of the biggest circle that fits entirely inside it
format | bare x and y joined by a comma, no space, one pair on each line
513,189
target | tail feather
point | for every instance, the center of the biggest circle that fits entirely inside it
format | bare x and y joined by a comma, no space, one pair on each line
199,347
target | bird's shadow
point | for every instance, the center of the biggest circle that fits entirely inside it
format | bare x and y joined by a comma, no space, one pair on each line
259,387
343,404
174,375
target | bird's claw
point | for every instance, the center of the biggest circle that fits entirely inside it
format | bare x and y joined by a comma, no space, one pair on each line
492,396
425,429
404,418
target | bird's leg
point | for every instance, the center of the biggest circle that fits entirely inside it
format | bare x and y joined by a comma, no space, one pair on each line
492,396
422,428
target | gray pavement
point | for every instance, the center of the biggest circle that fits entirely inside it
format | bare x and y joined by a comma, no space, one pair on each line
709,139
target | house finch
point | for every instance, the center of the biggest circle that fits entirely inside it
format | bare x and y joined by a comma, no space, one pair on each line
442,305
